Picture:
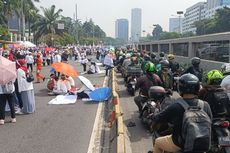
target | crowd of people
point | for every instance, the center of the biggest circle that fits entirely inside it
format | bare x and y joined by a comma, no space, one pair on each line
209,91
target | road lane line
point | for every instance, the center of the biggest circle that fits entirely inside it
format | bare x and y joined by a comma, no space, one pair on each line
92,147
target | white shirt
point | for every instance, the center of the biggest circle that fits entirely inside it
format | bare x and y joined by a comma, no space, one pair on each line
71,81
63,86
23,85
8,88
29,59
57,58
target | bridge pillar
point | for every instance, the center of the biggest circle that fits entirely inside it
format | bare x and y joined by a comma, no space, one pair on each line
191,51
159,48
170,48
151,48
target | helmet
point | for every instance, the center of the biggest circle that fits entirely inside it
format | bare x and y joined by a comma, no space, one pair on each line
225,68
171,57
153,55
162,54
157,93
128,55
214,77
189,84
147,57
164,64
150,67
195,61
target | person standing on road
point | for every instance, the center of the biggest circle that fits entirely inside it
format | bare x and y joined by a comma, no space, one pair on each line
38,69
26,89
7,95
57,58
29,61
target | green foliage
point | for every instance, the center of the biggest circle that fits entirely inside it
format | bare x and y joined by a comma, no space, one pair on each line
4,33
66,39
157,32
169,35
220,23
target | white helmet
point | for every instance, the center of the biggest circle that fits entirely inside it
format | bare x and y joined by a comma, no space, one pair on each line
225,68
128,55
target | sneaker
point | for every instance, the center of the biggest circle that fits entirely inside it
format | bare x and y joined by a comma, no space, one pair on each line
13,120
2,122
19,111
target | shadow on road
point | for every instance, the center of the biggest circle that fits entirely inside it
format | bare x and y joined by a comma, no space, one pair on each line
42,93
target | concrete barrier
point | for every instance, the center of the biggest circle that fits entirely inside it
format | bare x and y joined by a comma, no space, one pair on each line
117,136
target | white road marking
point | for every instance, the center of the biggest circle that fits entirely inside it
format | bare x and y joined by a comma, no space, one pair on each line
92,147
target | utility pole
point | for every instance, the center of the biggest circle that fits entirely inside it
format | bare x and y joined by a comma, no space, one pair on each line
76,23
23,20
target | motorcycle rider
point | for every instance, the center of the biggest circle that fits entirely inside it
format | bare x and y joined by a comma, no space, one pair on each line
162,56
153,58
226,81
165,75
210,94
173,65
195,68
189,86
144,83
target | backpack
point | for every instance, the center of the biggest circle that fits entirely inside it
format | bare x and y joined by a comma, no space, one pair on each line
198,73
196,128
217,100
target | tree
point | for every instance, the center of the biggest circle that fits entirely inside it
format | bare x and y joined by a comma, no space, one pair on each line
4,33
219,23
169,35
157,32
48,23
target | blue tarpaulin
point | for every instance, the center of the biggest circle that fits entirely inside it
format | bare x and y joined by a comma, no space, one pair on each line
100,94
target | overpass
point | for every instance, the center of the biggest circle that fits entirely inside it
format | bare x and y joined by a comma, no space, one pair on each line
214,47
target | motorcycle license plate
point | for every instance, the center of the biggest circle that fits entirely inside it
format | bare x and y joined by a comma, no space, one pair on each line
224,141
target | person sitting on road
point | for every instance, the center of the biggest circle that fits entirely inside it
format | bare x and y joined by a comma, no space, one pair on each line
144,83
189,86
52,82
195,68
63,86
92,68
83,92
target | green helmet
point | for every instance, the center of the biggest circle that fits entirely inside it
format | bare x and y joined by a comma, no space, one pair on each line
214,77
150,67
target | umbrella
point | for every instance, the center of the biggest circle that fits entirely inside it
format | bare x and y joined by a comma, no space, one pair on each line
64,68
100,94
86,82
8,68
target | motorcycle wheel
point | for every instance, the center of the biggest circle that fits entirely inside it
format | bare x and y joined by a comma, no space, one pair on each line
132,92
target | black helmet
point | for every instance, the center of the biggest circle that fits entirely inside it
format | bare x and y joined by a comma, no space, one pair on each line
195,61
189,84
153,55
164,64
162,54
157,93
146,57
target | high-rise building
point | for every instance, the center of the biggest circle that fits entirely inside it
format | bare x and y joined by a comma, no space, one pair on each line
122,29
175,24
194,13
136,20
213,5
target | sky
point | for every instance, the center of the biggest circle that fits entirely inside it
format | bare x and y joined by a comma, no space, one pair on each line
105,12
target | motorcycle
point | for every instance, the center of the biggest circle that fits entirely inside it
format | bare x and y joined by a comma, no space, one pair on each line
131,85
220,136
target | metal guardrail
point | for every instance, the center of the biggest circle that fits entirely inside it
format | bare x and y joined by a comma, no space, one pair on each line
116,121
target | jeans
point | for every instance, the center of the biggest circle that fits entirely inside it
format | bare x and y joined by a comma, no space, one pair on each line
107,69
11,100
30,66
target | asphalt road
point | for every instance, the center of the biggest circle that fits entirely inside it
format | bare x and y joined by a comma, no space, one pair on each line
52,128
140,138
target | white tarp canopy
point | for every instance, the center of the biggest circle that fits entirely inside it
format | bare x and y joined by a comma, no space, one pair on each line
26,44
63,99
